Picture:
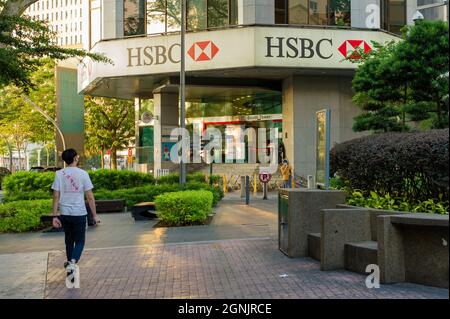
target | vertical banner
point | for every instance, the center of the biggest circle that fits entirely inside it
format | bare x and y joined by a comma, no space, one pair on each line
323,136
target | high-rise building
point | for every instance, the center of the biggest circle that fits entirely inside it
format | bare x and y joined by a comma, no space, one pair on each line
63,16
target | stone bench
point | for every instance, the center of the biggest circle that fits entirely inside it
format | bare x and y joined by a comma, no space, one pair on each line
143,211
414,248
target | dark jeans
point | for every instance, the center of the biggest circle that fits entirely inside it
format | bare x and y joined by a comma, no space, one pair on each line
75,233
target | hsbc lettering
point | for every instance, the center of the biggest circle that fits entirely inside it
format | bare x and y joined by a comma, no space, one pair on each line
153,55
303,48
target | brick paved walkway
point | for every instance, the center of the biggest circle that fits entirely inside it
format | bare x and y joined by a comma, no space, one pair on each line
251,268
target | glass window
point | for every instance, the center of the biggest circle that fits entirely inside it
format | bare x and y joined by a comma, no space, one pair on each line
96,22
280,11
133,17
233,12
156,16
393,15
298,11
196,14
217,13
339,12
436,13
173,15
318,12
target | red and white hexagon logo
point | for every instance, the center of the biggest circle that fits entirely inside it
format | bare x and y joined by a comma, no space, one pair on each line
349,48
203,51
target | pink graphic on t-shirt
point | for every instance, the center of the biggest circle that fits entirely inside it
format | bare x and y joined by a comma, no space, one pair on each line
74,186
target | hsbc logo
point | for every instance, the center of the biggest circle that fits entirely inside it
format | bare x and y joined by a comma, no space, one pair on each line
349,48
203,51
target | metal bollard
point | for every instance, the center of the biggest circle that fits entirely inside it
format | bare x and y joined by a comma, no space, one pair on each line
243,186
247,190
310,182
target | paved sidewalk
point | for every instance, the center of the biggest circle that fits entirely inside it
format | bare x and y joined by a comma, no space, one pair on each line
252,268
22,276
233,220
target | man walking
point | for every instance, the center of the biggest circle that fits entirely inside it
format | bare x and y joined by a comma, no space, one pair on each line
69,187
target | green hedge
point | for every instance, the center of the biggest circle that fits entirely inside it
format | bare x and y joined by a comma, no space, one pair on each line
114,179
387,202
136,195
21,216
184,207
411,165
21,182
193,177
217,191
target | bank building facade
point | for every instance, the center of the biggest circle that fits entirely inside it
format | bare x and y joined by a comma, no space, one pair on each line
249,64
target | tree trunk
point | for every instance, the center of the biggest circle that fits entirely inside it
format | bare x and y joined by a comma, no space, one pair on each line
114,158
20,159
48,156
103,158
11,168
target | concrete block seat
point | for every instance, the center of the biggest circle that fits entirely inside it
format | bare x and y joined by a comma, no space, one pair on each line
414,248
360,254
144,211
314,246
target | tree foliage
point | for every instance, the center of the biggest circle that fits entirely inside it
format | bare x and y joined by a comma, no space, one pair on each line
109,126
24,42
405,81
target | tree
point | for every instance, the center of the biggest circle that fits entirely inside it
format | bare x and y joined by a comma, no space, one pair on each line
109,126
405,81
19,122
24,42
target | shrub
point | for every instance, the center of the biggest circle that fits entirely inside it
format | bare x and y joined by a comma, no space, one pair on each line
23,216
215,190
136,195
39,194
193,177
20,182
405,165
184,207
114,179
387,202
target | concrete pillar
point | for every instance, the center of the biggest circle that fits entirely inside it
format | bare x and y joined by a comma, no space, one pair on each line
165,99
302,97
112,19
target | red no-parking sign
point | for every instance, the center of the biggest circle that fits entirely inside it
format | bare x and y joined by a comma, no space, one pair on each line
265,177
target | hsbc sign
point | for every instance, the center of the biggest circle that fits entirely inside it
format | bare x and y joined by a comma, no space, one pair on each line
203,51
306,48
235,48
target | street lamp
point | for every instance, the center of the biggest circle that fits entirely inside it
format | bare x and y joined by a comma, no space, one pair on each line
183,86
37,108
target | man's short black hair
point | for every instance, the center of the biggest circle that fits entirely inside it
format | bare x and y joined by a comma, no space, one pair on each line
69,155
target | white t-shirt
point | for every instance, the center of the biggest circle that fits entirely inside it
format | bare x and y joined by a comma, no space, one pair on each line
72,182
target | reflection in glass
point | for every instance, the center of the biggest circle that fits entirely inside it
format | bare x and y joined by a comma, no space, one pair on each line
318,12
397,15
156,16
217,13
133,17
234,18
339,12
280,11
173,15
320,147
196,14
298,11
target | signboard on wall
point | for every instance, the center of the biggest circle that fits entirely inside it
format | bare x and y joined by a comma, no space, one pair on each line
323,136
216,50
